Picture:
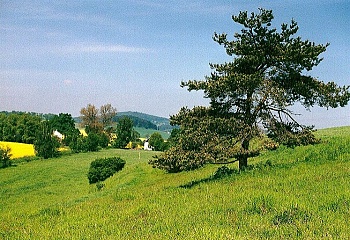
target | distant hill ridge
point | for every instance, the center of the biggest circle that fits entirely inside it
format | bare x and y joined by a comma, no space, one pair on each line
142,120
138,122
161,123
152,118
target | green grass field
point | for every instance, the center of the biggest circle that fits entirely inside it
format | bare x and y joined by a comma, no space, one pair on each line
148,132
303,194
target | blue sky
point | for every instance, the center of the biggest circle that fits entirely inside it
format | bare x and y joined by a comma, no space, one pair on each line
58,56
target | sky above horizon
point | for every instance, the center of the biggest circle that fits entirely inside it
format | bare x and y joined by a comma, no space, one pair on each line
59,56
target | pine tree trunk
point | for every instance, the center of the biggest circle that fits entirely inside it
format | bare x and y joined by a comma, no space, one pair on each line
243,159
243,162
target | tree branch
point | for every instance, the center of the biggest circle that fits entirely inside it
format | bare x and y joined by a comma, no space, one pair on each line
286,112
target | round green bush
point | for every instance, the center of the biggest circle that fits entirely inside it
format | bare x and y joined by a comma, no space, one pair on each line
103,168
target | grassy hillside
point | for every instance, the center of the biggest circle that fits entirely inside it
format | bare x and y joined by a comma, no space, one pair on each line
302,193
148,132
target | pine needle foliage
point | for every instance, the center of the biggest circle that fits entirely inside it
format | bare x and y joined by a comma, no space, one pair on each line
268,74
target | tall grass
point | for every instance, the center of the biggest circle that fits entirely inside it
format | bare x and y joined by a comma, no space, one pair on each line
303,193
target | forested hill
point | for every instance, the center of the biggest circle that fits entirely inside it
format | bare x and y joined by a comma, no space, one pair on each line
138,122
153,119
143,120
161,123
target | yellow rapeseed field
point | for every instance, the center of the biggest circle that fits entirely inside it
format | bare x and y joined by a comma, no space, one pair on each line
19,149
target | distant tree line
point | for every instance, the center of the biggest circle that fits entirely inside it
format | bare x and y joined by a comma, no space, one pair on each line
19,127
99,124
38,129
43,116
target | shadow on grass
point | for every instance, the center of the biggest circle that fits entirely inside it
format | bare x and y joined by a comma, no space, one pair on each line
223,172
323,154
197,182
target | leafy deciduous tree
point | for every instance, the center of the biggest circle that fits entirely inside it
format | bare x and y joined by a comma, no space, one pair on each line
90,119
125,132
268,74
45,144
92,142
107,116
156,140
18,127
107,113
99,121
65,124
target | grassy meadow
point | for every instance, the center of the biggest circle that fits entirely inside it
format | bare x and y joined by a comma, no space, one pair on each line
148,132
300,193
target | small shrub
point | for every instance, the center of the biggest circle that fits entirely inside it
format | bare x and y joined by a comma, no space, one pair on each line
99,185
262,165
103,168
5,156
176,160
135,144
222,172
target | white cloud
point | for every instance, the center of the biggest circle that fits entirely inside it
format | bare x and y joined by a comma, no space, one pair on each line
67,82
101,48
111,48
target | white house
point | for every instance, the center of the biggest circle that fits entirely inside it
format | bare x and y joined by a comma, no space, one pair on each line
146,146
58,134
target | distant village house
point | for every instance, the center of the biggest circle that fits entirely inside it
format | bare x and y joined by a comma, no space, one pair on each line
146,146
58,134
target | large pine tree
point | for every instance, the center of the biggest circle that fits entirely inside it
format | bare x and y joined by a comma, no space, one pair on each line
268,74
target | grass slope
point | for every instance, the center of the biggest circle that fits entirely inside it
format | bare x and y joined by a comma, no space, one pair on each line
303,195
146,133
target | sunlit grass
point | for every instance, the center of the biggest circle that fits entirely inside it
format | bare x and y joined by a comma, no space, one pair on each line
19,150
304,194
